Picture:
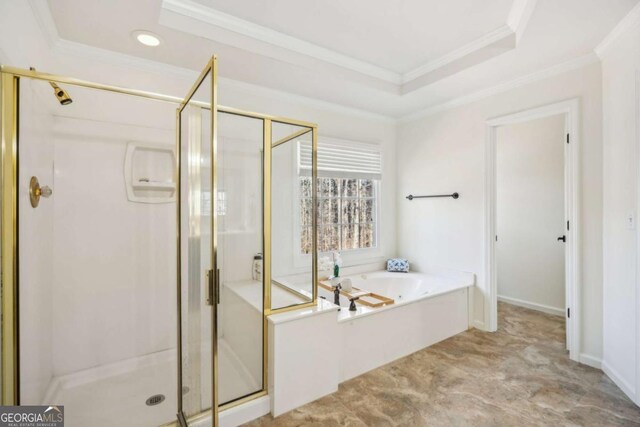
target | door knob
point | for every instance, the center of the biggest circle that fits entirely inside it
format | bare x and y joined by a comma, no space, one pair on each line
563,238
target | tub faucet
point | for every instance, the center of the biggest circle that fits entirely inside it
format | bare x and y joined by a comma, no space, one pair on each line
336,294
352,306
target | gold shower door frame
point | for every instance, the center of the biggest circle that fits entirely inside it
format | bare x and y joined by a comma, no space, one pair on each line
9,241
209,72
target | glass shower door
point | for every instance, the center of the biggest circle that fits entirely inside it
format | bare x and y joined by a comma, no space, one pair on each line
198,292
240,219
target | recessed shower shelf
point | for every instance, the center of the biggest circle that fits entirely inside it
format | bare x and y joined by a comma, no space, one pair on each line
150,185
149,171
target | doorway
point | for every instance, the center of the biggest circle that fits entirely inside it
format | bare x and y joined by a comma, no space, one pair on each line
532,234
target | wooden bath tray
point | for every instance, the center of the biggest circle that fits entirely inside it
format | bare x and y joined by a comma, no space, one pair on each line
380,300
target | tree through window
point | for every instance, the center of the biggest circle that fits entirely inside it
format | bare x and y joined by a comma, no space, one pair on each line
346,214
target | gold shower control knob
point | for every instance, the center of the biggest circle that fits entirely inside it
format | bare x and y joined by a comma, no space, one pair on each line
35,191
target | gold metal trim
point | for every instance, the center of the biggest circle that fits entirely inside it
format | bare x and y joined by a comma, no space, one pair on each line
177,180
210,71
201,78
291,308
292,136
9,94
303,297
206,414
144,94
181,421
314,213
266,246
213,67
242,400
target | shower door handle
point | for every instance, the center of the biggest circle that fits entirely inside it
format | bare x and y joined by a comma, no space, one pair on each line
210,283
562,238
218,286
213,287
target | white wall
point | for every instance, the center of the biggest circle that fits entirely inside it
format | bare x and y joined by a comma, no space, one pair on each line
240,177
114,260
530,213
444,152
621,91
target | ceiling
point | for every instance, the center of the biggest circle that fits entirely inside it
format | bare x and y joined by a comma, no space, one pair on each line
390,58
397,35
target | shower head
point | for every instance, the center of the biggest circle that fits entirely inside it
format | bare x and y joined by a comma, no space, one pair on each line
61,94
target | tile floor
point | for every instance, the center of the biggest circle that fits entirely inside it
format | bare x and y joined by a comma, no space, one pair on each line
520,375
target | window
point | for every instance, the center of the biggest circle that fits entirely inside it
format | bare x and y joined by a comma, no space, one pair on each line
346,214
348,181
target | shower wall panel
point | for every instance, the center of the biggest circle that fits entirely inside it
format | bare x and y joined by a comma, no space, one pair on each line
114,260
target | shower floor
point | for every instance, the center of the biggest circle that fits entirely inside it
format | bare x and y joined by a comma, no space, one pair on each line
117,394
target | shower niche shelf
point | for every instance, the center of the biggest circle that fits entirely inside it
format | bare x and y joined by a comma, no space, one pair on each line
149,173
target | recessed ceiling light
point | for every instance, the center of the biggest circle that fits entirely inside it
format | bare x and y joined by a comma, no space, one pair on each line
147,38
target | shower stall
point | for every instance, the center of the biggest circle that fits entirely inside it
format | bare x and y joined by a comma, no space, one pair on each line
141,248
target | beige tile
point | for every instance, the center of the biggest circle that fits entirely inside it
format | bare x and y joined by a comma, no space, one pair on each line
520,375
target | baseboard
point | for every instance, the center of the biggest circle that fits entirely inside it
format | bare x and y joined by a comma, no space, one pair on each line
627,388
532,305
479,324
592,361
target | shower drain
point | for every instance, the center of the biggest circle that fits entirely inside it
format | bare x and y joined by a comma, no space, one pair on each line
156,399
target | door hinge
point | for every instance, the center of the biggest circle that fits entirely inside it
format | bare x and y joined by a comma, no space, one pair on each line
567,225
568,138
496,237
569,312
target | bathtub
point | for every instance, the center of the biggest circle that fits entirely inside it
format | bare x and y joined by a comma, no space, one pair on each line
428,307
403,288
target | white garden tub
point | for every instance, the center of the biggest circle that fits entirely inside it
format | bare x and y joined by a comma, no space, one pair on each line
428,308
403,288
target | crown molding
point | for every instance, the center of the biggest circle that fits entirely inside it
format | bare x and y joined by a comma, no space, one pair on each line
629,21
482,42
519,16
576,63
62,46
66,47
267,92
174,12
517,21
228,22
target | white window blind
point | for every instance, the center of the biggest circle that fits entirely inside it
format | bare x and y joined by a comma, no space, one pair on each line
341,159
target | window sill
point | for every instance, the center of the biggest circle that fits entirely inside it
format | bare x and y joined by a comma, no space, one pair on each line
350,258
